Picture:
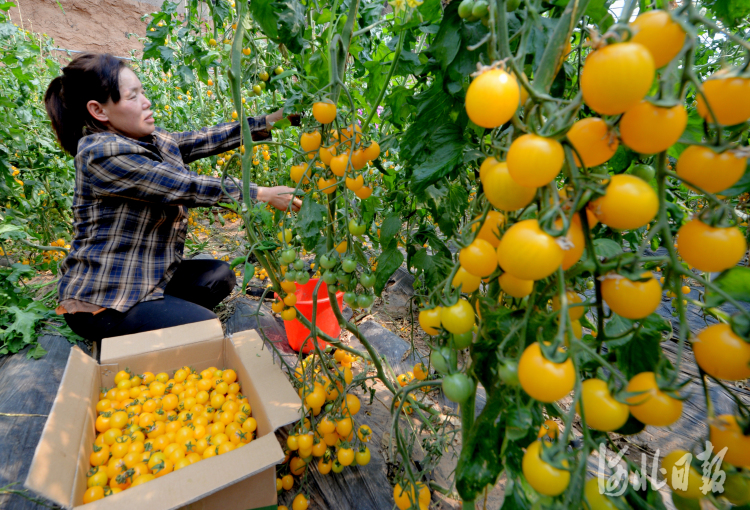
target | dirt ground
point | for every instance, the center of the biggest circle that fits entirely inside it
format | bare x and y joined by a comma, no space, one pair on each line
111,26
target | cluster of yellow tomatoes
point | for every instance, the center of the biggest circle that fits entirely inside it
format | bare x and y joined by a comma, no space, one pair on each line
419,373
149,425
263,150
526,252
55,255
341,155
333,436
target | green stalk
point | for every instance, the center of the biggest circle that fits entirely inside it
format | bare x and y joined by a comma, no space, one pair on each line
467,423
391,70
340,50
545,73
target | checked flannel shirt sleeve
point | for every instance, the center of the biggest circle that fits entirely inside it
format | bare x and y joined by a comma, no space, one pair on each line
134,173
214,140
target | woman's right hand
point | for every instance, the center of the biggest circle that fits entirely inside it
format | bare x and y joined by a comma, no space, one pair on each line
279,197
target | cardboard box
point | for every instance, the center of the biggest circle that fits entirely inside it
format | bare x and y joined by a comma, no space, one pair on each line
242,479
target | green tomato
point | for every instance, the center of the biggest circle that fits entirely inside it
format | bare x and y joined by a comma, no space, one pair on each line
439,362
329,277
655,242
645,172
463,340
595,500
302,277
458,387
367,280
290,276
263,75
350,298
737,489
288,256
365,300
299,264
465,8
443,359
262,85
257,89
508,372
343,279
681,503
512,5
480,9
632,426
590,284
349,265
355,228
327,262
278,70
337,467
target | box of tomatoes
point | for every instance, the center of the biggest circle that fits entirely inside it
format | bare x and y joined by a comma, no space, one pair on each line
181,417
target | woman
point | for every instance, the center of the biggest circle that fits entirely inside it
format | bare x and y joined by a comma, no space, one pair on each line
125,272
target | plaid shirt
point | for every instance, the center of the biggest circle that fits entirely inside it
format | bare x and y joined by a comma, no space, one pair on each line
130,210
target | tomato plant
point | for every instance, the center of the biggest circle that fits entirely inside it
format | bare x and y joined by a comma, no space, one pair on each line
515,157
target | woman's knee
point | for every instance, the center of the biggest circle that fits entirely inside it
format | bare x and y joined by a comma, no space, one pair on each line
226,275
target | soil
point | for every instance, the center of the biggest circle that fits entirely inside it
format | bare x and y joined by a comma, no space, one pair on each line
103,26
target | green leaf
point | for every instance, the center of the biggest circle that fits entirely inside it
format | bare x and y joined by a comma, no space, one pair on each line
447,41
22,331
643,352
518,422
735,282
693,132
248,274
606,248
316,67
390,229
598,10
285,74
622,159
291,22
480,463
616,326
7,29
185,75
283,123
449,143
36,352
388,261
264,14
283,21
310,222
729,11
685,503
221,10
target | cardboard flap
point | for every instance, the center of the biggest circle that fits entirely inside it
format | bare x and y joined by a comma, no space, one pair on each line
281,402
195,482
119,347
54,467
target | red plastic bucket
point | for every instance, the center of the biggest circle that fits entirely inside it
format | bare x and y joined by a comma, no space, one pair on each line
325,320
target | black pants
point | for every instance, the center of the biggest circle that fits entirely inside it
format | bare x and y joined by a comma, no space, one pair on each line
195,289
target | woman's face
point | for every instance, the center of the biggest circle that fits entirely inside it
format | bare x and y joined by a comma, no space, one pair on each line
131,115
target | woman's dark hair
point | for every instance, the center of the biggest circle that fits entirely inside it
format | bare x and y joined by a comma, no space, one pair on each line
89,76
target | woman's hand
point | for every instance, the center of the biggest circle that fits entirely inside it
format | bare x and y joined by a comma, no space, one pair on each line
274,117
279,197
278,115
